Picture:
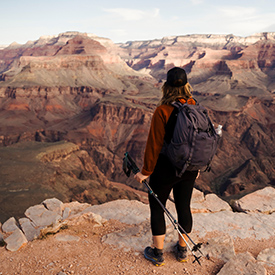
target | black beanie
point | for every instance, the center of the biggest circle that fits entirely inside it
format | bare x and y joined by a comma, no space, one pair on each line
176,77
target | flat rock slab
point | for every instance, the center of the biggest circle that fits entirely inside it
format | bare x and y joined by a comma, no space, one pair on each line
135,238
9,225
214,204
267,256
241,225
221,247
197,196
16,240
138,237
242,264
126,211
41,216
259,201
29,229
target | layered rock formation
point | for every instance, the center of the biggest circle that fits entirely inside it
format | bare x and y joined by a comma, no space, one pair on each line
78,88
215,63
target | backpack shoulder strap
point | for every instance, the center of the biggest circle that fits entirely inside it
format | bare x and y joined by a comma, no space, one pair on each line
171,123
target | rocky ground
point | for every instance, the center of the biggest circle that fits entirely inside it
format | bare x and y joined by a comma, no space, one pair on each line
110,238
86,253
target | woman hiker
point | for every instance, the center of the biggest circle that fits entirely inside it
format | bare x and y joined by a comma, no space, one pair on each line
163,174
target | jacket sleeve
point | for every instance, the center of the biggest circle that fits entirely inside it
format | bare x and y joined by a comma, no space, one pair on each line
155,138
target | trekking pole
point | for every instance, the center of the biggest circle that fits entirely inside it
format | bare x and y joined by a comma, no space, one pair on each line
128,166
177,226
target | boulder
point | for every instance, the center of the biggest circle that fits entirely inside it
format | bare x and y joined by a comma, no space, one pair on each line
54,205
16,240
41,216
208,203
242,264
30,230
260,201
10,225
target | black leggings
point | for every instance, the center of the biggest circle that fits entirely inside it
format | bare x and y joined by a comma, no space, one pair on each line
162,181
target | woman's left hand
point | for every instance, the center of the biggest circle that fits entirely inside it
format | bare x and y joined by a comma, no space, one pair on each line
140,177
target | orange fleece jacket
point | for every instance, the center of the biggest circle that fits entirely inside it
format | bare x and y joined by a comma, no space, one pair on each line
156,135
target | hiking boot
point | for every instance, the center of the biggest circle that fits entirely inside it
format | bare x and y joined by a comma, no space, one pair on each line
181,253
154,255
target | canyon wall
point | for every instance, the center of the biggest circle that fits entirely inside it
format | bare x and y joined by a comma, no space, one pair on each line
100,96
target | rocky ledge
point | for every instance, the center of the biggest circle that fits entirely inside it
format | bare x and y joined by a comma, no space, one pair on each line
212,217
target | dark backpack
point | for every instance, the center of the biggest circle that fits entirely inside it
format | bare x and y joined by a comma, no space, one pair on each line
191,141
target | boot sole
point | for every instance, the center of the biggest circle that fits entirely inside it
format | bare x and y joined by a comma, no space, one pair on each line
153,262
182,260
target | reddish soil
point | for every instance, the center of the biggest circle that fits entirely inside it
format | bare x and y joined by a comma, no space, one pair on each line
90,256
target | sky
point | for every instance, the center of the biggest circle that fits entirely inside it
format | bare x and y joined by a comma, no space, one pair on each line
124,20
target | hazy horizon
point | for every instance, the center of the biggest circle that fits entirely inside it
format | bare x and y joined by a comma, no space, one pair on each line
123,21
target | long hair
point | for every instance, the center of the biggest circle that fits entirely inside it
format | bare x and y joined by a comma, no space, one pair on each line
170,94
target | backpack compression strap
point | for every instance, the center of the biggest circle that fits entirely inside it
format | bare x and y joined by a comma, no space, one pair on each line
187,163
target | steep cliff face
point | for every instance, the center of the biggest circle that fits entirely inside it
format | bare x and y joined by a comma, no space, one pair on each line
34,171
76,87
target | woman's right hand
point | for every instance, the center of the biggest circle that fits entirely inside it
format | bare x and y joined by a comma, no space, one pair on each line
140,177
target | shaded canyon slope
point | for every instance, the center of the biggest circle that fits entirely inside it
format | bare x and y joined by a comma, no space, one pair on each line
100,96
